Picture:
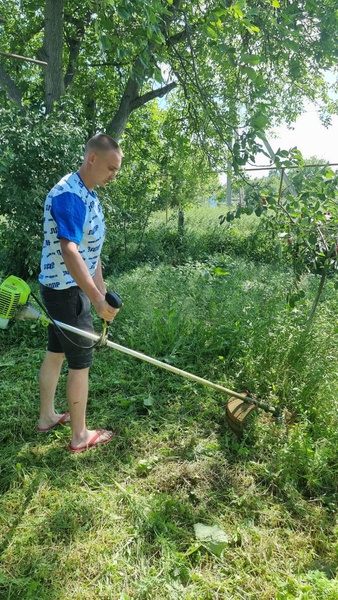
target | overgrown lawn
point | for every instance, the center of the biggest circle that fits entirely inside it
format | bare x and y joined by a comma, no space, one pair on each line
124,521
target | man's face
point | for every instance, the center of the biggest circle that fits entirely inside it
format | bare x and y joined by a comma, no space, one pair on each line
105,166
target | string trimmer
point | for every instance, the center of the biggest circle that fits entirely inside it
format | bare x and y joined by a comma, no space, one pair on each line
15,306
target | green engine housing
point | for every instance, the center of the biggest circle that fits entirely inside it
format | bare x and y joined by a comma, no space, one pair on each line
14,292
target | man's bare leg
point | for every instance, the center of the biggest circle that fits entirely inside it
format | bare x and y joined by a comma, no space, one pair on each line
48,380
77,395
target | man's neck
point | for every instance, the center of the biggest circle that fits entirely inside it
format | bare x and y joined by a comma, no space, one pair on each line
86,178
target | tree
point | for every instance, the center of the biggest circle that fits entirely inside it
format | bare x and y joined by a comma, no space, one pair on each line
265,56
162,168
305,224
231,68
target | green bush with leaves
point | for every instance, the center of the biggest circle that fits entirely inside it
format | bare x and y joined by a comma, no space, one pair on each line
37,150
304,222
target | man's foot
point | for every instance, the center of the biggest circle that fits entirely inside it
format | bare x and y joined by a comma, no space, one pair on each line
53,422
95,438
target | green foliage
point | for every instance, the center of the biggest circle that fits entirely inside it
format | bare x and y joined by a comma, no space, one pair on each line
37,152
160,171
305,224
146,183
136,192
202,237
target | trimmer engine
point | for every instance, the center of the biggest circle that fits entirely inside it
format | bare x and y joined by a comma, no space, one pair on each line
14,306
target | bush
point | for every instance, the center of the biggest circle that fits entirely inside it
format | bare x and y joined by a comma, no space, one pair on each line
37,151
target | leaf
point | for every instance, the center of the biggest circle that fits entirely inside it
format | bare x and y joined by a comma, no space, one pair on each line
213,537
104,42
259,121
158,75
220,271
237,12
193,549
252,59
220,12
148,401
279,250
210,533
123,14
250,72
212,32
250,27
260,82
313,239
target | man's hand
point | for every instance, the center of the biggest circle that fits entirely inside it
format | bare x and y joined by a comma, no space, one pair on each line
104,310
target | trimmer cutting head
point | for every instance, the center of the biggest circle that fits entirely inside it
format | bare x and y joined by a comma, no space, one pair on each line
237,412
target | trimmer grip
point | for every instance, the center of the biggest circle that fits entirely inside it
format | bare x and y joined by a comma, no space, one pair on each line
113,299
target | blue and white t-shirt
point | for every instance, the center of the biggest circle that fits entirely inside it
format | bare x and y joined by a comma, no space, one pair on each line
72,212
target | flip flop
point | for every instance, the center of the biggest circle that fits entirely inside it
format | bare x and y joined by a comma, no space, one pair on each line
93,442
65,418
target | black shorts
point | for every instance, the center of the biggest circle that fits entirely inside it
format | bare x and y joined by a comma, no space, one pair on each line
72,307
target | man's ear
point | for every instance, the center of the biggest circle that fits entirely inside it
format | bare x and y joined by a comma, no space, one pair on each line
91,158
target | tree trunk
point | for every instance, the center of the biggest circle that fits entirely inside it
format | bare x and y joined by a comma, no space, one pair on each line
11,89
316,300
180,222
52,51
74,45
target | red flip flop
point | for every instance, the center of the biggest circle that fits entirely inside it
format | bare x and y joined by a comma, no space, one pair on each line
65,418
93,442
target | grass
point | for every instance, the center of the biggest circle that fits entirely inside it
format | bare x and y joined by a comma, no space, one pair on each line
203,236
121,521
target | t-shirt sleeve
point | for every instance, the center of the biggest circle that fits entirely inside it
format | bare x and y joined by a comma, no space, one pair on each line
69,212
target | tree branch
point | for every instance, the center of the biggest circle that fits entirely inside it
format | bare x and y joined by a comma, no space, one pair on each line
24,58
158,93
74,43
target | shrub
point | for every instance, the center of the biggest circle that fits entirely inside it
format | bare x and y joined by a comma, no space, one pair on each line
37,151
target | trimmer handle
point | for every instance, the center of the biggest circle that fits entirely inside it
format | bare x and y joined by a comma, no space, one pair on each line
113,299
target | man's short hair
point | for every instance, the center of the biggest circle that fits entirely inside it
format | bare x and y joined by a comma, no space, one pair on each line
101,142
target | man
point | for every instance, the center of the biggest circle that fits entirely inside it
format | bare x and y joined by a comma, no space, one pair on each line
71,279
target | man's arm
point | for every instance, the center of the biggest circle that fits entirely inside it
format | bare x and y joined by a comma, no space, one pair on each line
98,278
92,287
